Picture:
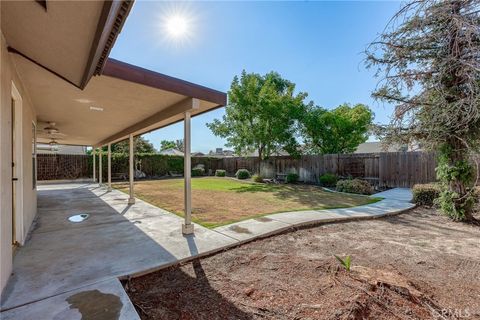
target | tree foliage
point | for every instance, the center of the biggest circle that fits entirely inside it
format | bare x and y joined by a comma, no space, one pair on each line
429,62
340,130
167,144
262,115
140,145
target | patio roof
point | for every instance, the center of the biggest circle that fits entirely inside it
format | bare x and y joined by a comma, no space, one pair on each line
133,101
70,38
61,53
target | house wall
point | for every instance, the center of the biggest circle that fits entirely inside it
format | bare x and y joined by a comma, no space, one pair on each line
7,75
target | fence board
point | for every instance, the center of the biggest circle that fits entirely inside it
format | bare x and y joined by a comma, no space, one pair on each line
384,169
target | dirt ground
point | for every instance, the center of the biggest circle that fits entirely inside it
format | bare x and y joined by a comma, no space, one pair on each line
418,265
218,201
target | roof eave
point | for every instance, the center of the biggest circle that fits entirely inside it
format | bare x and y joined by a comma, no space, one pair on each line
112,19
122,70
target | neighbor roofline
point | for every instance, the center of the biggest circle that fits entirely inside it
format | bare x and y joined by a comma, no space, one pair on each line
112,18
122,70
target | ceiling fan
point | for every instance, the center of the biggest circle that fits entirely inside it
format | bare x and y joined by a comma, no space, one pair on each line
50,131
53,142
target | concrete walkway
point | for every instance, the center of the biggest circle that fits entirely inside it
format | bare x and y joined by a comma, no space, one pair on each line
63,262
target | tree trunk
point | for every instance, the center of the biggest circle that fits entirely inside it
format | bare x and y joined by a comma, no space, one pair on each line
458,186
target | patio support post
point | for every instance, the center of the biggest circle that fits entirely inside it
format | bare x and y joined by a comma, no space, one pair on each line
131,199
109,167
94,164
100,166
187,227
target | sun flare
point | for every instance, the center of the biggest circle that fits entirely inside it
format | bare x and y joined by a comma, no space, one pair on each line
177,26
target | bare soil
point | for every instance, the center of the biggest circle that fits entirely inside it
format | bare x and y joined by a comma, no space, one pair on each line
418,265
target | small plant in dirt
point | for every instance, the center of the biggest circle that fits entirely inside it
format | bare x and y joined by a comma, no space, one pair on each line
220,173
346,263
357,186
242,174
425,194
292,178
257,178
328,180
197,172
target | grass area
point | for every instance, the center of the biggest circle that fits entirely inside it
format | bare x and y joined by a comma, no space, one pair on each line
218,201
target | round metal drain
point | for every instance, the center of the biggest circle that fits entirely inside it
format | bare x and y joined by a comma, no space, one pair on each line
79,217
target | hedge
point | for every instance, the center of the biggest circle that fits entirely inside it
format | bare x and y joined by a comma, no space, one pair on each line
242,174
153,165
328,180
354,186
292,178
425,194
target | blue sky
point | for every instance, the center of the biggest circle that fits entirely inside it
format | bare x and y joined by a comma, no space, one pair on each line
317,45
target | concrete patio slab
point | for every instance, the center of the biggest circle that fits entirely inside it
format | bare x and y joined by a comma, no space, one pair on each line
278,222
402,194
103,300
61,256
298,218
252,228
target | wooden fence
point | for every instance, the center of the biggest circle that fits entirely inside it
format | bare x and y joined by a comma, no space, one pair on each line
385,169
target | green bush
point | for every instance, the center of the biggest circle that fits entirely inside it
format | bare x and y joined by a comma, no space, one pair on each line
242,174
354,186
197,172
292,178
152,164
425,194
328,180
220,173
257,178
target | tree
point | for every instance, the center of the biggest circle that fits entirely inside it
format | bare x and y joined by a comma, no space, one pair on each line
262,115
166,144
340,130
429,60
140,145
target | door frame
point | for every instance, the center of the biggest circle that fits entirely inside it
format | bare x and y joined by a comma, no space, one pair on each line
17,172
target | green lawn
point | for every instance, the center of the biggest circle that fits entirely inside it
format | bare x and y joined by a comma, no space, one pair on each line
218,201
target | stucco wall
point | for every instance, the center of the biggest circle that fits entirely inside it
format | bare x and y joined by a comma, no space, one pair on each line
8,74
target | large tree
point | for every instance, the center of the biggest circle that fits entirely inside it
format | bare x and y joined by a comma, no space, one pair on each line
140,145
340,130
170,144
429,62
262,115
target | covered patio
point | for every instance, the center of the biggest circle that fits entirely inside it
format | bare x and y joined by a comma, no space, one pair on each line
125,101
117,240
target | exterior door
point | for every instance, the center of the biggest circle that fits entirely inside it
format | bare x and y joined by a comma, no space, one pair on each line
14,177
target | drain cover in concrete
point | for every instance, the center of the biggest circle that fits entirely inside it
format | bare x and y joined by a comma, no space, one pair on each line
78,217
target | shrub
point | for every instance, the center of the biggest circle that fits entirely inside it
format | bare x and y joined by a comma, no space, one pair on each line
292,178
220,173
425,194
257,178
328,180
196,172
242,174
355,186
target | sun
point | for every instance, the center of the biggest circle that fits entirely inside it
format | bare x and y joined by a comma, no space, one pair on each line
177,26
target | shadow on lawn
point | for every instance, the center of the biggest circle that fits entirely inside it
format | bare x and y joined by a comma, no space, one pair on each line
307,195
